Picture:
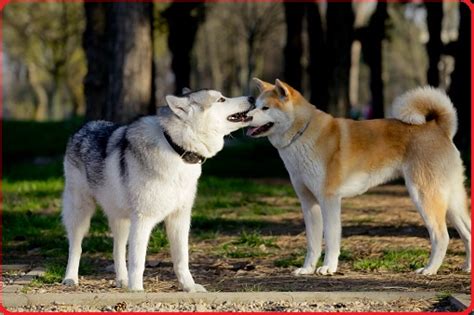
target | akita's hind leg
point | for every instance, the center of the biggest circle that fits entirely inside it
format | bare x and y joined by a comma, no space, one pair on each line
78,209
458,215
120,229
432,205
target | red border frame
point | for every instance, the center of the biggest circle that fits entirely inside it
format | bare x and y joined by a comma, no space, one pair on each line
3,3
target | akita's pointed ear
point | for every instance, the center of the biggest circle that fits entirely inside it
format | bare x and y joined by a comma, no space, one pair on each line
179,105
185,90
262,85
282,89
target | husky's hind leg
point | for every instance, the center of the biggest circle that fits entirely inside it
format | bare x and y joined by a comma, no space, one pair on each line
458,215
78,208
120,229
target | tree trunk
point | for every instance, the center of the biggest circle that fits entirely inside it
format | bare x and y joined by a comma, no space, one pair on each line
294,14
340,21
460,90
41,104
434,19
183,25
371,38
94,42
153,104
118,45
130,61
250,61
354,74
317,69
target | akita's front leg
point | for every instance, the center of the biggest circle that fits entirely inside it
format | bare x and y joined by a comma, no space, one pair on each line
177,229
314,229
140,231
331,211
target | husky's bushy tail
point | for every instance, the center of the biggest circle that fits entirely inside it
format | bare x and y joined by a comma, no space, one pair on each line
423,104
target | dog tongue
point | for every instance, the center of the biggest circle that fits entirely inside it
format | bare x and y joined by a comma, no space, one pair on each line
251,130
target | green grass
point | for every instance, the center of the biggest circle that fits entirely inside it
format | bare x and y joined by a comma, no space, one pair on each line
297,259
398,260
248,245
292,260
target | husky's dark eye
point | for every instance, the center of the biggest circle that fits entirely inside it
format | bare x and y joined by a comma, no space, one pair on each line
221,100
265,108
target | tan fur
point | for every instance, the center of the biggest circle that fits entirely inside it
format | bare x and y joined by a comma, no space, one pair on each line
353,156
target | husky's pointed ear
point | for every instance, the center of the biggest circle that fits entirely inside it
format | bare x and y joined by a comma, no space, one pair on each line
262,85
185,90
179,105
282,89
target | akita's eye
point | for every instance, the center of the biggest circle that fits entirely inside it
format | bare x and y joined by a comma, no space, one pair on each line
265,108
221,100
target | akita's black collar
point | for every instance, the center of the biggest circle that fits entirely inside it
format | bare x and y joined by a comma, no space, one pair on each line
187,156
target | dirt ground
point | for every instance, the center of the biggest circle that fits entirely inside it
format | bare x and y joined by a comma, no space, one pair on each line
381,220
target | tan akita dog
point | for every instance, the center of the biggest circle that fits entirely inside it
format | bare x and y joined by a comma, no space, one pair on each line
330,158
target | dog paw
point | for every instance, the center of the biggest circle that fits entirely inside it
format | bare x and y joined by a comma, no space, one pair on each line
135,290
326,271
121,283
194,288
70,282
425,271
303,271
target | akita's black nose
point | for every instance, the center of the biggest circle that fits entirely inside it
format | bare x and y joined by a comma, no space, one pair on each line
251,100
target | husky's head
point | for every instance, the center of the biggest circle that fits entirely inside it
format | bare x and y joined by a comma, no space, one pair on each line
275,110
202,118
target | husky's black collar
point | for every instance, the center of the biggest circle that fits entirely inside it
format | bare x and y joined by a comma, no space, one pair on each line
187,156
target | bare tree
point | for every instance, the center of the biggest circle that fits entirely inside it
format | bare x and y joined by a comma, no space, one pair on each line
236,42
94,42
45,40
118,44
318,68
371,38
340,21
434,19
293,71
256,22
131,61
460,90
183,21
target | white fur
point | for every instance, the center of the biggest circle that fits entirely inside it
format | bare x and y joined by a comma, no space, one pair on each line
413,106
166,191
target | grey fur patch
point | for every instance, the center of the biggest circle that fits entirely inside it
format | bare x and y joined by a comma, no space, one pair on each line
88,148
123,146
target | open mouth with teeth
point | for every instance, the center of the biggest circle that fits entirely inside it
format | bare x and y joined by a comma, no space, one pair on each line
240,117
255,131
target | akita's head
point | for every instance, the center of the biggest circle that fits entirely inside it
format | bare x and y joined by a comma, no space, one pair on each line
202,118
275,109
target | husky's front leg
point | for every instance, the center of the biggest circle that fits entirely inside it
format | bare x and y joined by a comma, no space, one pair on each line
331,211
140,231
177,229
120,229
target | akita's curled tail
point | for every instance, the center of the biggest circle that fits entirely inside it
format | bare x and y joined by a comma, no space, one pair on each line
423,104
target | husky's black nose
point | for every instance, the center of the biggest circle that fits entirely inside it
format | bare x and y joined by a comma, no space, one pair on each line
251,100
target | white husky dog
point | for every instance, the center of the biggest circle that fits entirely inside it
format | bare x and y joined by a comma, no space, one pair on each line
144,173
